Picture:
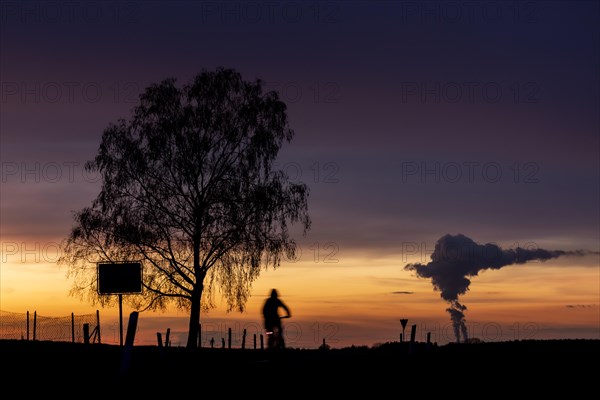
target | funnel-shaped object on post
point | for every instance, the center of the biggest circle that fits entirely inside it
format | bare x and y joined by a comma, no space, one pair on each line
403,321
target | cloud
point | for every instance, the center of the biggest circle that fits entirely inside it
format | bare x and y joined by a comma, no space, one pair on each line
456,258
581,305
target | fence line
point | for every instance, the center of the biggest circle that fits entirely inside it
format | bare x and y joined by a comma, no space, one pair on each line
71,328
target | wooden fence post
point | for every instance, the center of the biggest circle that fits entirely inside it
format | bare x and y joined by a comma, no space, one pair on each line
131,328
262,342
98,325
412,347
255,341
86,333
168,338
72,327
129,340
244,340
27,324
34,325
159,339
222,343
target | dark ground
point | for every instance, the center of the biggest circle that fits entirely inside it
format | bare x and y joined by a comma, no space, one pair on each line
515,369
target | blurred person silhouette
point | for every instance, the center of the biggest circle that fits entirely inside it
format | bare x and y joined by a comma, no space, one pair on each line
272,320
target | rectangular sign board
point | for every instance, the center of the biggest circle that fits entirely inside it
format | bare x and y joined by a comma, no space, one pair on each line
116,278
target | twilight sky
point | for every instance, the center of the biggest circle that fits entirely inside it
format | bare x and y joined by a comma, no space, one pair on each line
413,120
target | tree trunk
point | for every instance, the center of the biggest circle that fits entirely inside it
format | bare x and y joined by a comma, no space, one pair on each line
192,341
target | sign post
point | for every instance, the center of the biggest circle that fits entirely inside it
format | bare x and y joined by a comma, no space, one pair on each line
120,278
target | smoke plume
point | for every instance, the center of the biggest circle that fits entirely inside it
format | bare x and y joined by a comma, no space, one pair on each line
456,258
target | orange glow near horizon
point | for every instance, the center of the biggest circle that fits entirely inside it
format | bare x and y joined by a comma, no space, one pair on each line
350,304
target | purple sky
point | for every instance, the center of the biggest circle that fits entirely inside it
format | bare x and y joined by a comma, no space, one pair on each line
412,119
